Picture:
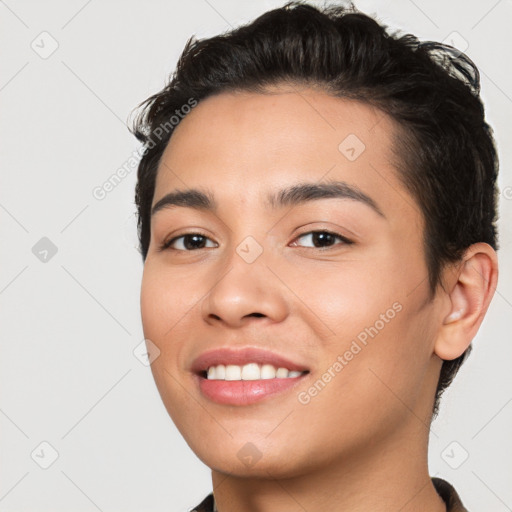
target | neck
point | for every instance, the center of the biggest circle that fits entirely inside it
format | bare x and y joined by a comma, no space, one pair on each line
390,476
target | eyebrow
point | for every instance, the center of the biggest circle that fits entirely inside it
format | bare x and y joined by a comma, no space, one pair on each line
290,196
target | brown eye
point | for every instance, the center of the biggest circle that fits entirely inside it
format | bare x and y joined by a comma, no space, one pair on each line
321,239
189,242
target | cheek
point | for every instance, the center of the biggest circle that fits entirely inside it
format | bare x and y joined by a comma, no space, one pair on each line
348,298
376,344
164,301
164,309
366,389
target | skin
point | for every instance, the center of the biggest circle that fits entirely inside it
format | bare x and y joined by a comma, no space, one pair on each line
361,442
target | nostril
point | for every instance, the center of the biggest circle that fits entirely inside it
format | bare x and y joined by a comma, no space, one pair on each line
256,314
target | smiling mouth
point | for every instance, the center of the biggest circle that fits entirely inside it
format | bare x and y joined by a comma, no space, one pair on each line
246,375
247,384
249,372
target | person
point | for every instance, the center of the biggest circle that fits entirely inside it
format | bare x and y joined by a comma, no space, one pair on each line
317,220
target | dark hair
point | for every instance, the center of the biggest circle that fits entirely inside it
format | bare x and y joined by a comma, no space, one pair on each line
444,149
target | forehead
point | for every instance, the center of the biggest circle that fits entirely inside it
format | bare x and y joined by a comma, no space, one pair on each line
242,141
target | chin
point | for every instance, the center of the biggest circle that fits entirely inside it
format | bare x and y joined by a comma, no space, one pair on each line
245,459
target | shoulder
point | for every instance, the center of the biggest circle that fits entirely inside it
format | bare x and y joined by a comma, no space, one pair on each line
206,505
449,495
443,488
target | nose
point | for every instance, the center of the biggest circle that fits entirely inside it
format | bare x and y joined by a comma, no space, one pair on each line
243,293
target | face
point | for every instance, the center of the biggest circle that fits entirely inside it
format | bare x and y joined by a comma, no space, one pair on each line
327,281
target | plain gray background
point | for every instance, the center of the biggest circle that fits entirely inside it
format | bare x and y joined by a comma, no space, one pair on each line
71,72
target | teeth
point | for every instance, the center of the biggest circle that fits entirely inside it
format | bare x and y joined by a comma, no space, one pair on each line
233,372
250,371
220,371
281,373
268,372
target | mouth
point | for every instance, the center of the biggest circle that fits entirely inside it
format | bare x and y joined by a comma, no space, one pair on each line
249,372
243,377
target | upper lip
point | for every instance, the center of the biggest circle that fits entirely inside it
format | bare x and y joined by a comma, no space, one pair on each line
242,356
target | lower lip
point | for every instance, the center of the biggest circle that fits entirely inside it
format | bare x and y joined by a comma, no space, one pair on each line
245,392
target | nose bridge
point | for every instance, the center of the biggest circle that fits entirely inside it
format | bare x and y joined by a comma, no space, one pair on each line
246,287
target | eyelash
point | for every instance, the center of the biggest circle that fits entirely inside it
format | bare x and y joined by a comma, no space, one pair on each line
167,245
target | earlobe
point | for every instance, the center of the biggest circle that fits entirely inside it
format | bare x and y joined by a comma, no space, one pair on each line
470,290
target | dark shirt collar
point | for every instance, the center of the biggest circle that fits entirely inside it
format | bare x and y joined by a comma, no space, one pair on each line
449,495
443,488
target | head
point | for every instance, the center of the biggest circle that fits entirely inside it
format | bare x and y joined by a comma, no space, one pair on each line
300,99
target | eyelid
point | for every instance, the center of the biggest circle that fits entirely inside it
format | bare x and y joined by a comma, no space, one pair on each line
346,241
166,244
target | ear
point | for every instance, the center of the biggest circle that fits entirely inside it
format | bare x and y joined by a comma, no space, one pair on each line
469,290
